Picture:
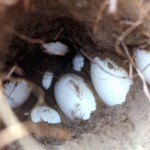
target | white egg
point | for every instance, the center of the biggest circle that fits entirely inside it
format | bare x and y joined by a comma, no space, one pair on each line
55,48
17,92
47,79
142,60
74,97
111,83
78,62
45,114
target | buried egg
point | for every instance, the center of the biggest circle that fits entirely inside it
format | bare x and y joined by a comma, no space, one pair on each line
78,62
16,92
56,48
74,97
110,81
142,60
47,79
45,114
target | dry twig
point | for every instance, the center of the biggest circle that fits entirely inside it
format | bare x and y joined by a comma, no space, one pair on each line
130,29
124,34
26,38
99,15
21,130
145,86
93,61
9,120
12,133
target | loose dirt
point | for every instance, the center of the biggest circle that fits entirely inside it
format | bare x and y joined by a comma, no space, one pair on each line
117,127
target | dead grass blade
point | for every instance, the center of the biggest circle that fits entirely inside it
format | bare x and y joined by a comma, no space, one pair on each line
99,15
124,34
94,62
145,86
12,133
25,38
140,21
20,130
9,120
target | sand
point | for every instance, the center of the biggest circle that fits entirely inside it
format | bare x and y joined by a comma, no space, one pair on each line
123,126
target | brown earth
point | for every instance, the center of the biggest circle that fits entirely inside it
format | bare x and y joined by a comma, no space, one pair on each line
124,126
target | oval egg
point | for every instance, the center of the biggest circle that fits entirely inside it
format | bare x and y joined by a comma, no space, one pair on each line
78,62
16,92
110,81
74,97
142,60
47,79
45,114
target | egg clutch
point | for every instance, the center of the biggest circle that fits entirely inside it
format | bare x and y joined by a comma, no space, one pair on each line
74,96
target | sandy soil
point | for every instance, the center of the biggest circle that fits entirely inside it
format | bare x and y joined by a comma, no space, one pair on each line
121,127
124,126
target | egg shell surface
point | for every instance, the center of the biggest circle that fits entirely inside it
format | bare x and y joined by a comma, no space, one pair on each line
55,48
142,60
45,114
110,81
74,97
78,62
47,79
16,92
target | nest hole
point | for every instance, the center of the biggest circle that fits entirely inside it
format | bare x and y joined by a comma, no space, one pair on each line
32,60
